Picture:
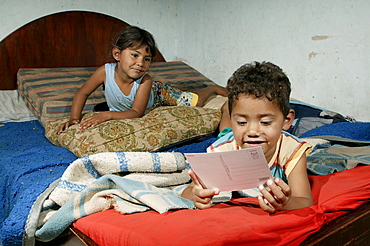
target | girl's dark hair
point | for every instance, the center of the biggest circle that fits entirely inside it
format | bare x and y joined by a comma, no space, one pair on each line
261,80
136,37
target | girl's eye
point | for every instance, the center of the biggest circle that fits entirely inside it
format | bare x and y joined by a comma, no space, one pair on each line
148,59
241,123
135,55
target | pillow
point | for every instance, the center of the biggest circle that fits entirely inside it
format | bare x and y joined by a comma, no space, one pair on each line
161,127
215,102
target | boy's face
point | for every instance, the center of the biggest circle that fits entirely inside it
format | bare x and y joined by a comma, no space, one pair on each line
257,122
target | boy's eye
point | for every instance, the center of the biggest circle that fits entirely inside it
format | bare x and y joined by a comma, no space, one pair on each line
241,123
266,123
148,59
135,55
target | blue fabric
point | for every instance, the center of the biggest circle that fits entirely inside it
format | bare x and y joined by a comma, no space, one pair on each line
29,162
308,117
342,131
224,132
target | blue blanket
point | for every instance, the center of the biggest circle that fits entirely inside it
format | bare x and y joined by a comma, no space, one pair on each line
347,132
29,163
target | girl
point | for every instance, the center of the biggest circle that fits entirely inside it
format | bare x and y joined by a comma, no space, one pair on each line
128,88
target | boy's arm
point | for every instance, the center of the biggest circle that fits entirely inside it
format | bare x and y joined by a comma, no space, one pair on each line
301,195
281,196
201,197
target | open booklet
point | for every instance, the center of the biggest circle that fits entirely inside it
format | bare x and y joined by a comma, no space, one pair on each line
230,170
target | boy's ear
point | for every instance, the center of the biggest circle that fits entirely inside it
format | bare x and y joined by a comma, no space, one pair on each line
115,53
289,120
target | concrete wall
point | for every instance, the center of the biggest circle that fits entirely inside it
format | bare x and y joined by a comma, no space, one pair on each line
323,46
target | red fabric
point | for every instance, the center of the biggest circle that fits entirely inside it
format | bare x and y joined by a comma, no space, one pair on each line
239,221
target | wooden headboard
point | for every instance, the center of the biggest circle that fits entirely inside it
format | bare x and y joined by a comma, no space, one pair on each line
66,39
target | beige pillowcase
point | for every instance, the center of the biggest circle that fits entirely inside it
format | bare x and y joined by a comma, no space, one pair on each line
161,127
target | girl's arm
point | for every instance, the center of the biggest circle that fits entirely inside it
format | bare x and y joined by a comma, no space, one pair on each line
81,96
281,196
137,110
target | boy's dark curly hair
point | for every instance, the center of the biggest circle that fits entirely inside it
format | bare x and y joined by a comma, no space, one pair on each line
261,80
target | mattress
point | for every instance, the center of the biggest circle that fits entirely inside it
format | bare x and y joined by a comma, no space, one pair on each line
49,92
239,221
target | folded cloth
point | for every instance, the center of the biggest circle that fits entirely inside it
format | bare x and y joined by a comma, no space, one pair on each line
337,158
111,191
89,185
152,168
346,146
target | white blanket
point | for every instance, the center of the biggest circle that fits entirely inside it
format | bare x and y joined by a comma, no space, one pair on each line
126,181
13,108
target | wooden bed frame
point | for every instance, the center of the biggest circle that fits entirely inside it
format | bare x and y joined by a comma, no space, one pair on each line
351,228
51,41
81,39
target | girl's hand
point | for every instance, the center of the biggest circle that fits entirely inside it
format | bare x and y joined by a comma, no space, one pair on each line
95,120
66,125
201,197
275,196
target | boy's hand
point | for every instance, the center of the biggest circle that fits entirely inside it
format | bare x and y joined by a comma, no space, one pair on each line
275,196
201,197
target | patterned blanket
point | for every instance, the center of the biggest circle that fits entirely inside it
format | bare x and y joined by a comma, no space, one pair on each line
126,181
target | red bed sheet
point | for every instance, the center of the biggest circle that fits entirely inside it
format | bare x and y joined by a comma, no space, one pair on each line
239,221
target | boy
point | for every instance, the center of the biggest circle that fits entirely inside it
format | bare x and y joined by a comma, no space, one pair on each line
257,111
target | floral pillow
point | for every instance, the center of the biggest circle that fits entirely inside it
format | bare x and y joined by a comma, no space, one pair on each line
159,128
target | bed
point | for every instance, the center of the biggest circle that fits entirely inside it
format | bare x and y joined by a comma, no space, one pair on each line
35,163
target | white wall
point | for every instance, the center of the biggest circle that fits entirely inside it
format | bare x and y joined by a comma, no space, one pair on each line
323,46
158,17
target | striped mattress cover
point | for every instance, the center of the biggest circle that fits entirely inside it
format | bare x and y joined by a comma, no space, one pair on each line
49,92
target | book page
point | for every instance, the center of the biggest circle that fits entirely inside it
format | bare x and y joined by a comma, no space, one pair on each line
231,170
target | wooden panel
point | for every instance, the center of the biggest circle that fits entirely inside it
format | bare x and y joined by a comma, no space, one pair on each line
66,39
351,228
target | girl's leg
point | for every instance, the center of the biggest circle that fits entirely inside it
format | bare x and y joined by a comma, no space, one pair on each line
167,95
205,93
